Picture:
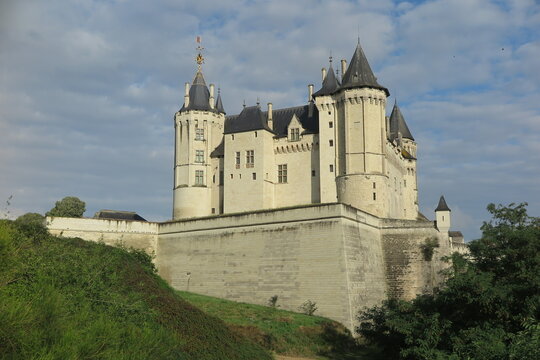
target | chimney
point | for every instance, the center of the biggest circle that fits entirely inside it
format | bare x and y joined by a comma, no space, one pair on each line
186,96
212,96
323,73
310,92
270,118
343,67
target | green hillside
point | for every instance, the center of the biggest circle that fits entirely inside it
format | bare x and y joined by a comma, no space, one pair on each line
285,332
73,299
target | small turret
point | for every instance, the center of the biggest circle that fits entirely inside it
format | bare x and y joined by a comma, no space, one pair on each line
398,125
442,214
219,103
330,83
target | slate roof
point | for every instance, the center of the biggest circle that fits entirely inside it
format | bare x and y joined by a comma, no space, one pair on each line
330,84
219,104
442,205
359,74
219,151
398,125
199,95
118,215
252,118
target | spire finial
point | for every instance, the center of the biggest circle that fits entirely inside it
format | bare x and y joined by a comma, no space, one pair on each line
244,103
199,59
330,57
258,101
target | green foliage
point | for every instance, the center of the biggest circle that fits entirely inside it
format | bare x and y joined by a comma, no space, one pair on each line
281,331
73,299
309,307
428,248
487,309
70,206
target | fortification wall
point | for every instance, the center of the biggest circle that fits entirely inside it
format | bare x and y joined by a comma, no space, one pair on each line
408,271
136,234
330,254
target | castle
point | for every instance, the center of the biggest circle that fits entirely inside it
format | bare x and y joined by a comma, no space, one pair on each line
339,147
316,202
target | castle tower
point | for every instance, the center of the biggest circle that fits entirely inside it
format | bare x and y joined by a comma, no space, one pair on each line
442,215
405,206
361,138
198,132
326,105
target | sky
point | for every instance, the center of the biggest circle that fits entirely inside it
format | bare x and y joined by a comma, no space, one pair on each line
88,90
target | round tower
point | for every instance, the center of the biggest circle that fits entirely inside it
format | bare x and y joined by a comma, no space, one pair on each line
198,132
361,102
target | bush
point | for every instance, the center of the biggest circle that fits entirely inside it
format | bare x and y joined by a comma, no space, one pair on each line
309,307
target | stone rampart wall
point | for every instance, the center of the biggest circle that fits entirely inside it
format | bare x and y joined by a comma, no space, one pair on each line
136,234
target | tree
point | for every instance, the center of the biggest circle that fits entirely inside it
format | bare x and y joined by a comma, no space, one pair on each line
487,309
70,206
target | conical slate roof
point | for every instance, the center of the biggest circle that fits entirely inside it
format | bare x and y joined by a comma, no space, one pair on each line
199,95
330,83
398,125
442,205
219,104
359,73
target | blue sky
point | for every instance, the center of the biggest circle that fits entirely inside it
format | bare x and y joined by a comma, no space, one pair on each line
88,90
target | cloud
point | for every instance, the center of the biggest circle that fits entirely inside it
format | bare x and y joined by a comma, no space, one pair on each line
88,90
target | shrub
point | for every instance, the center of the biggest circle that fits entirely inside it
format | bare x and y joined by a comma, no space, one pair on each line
309,307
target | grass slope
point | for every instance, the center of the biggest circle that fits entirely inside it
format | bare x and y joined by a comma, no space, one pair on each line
284,332
73,299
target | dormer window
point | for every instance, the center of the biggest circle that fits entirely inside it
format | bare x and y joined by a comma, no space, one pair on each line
295,134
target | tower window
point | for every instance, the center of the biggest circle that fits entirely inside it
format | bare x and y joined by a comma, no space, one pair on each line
254,176
282,174
331,124
295,134
312,172
404,183
331,168
255,134
250,158
199,156
237,159
374,196
232,137
374,185
199,177
214,178
199,134
331,142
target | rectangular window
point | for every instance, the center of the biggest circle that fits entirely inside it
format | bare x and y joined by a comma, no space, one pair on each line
312,172
250,158
404,183
237,159
199,177
282,174
374,185
199,134
330,124
331,142
374,196
199,156
254,176
213,210
295,134
331,168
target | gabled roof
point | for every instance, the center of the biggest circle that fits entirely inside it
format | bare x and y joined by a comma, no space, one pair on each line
283,117
442,205
118,215
219,104
251,118
359,73
330,83
280,117
398,125
199,95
